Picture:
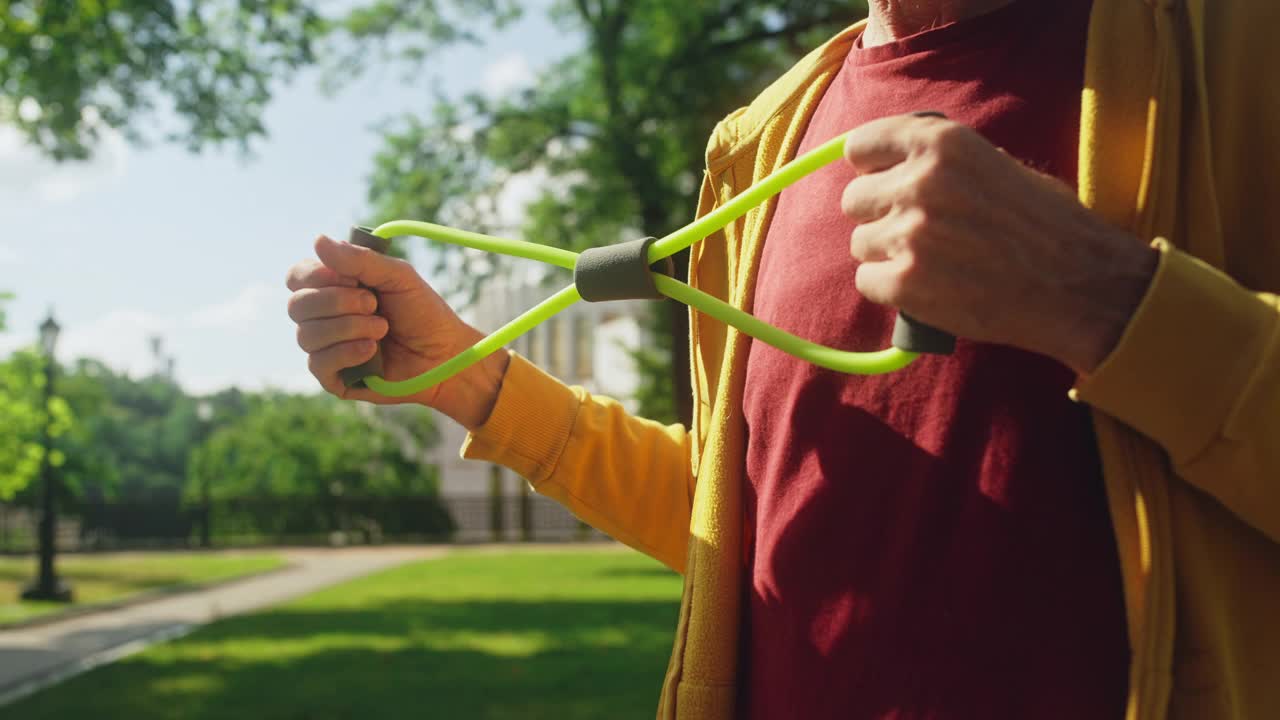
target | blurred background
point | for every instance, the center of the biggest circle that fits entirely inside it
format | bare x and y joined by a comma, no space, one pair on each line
188,527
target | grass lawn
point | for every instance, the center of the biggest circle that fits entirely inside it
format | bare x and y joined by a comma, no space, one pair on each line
103,578
475,635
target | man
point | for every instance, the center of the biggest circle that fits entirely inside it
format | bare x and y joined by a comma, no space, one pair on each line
959,539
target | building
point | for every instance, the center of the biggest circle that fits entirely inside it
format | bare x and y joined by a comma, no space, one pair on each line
589,344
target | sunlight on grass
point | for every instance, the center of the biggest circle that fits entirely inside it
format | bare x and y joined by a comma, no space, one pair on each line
573,634
105,578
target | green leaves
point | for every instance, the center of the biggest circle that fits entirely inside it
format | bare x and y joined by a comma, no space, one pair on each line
69,70
409,31
309,446
146,440
24,417
72,69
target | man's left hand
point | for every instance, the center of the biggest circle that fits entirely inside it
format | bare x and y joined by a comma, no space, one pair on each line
964,237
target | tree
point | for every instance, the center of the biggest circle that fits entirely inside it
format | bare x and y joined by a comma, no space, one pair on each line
617,128
300,465
69,69
23,416
133,438
308,446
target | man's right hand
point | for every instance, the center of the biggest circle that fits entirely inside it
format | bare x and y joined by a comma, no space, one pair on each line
340,325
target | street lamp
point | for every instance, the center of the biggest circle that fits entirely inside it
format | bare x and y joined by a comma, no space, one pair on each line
47,585
204,411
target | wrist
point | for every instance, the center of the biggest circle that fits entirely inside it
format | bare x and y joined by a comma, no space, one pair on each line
1105,308
469,398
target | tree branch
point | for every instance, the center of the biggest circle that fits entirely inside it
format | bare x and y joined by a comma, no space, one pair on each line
787,32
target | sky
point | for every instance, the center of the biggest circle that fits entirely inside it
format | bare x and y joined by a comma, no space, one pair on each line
146,241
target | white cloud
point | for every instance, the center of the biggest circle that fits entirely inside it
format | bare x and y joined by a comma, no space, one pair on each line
241,310
299,381
218,345
25,173
120,338
509,72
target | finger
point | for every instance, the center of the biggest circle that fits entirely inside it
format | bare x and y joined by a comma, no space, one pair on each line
871,243
327,302
877,145
315,335
327,363
880,282
881,144
371,268
313,274
867,198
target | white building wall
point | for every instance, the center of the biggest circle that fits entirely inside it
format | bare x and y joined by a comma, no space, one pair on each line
589,344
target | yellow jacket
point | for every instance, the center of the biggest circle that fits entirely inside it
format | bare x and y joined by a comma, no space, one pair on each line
1180,144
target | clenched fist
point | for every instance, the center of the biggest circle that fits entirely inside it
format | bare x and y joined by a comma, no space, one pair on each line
340,325
965,238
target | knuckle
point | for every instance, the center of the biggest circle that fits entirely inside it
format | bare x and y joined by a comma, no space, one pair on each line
403,270
847,198
315,366
297,304
950,137
888,290
303,337
914,228
910,280
930,176
299,275
292,279
872,285
909,271
326,375
856,243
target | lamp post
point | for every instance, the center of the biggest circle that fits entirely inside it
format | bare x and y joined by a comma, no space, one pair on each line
204,411
47,585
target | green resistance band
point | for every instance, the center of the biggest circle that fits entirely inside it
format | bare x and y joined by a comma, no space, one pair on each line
602,268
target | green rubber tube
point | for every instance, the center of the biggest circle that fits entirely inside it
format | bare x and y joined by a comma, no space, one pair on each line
779,180
853,363
870,363
515,248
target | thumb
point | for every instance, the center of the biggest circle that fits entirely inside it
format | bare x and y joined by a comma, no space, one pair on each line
370,268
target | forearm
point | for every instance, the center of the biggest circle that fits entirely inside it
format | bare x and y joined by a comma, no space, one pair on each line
627,476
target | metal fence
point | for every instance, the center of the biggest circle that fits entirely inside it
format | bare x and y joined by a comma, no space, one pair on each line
244,522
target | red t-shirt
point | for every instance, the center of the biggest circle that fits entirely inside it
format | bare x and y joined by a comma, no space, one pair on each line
933,543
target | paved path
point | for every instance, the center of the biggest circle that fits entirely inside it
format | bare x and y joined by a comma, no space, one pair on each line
35,657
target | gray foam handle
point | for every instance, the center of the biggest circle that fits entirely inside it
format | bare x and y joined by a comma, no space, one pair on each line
353,377
619,272
914,336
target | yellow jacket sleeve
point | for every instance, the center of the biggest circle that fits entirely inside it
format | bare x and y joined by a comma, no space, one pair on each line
625,475
1198,371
